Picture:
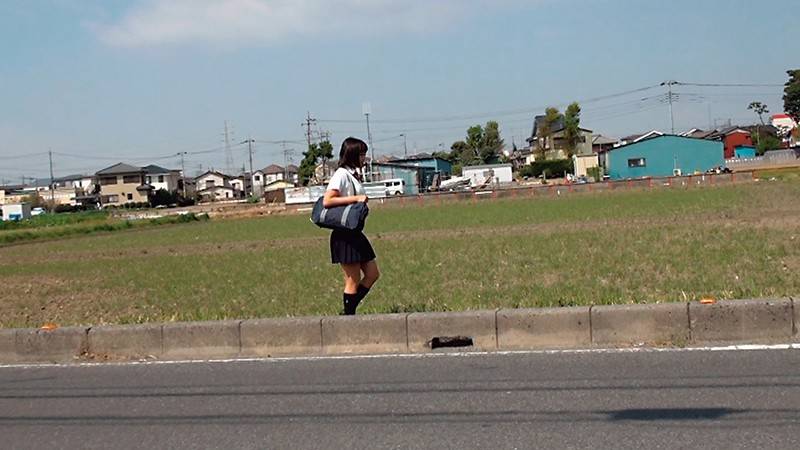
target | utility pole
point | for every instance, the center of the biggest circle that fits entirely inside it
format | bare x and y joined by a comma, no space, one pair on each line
307,124
670,97
324,136
250,142
405,147
228,154
183,173
52,183
287,157
367,110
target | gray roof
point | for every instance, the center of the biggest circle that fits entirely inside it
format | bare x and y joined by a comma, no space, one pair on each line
154,169
119,169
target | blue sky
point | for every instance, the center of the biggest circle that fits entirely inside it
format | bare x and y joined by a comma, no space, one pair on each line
140,80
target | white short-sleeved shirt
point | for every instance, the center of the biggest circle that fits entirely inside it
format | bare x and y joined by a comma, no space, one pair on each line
344,181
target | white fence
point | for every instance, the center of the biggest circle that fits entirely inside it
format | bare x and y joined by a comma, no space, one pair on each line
771,158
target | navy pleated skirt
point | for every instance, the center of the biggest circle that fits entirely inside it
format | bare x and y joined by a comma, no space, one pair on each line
348,247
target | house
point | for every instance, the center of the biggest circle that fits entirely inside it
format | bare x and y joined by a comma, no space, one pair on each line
122,183
440,165
731,138
273,172
787,127
292,174
278,185
161,178
554,145
488,174
522,157
243,184
213,185
662,156
322,173
601,143
632,139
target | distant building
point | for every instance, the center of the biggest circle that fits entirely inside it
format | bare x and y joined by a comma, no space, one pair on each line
122,183
731,138
601,143
662,156
216,186
161,178
554,144
16,211
488,174
424,160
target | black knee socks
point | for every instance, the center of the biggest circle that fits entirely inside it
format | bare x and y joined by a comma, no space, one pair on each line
351,301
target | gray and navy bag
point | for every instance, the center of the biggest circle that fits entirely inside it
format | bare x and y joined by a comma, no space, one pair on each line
348,217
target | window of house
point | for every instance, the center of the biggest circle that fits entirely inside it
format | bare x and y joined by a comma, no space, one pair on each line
129,179
148,179
108,180
130,197
209,184
161,178
258,178
637,162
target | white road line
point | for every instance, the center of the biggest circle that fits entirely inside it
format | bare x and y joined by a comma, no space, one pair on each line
729,348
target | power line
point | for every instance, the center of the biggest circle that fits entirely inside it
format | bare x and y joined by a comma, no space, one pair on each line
728,84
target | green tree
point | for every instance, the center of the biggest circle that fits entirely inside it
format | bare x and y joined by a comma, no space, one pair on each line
308,165
572,132
545,130
492,142
791,95
760,109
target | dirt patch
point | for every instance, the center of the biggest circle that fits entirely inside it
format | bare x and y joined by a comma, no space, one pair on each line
32,300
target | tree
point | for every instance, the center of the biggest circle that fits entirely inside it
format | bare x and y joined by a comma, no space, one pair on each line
551,117
760,109
308,165
481,146
492,142
572,132
791,95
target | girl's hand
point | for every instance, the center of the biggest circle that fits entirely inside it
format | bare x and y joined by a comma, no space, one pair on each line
361,199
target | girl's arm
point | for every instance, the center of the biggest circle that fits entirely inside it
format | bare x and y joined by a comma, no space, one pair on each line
332,198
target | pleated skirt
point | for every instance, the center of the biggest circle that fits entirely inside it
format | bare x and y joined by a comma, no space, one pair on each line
348,247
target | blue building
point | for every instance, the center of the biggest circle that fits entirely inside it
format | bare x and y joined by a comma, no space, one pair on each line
744,151
424,160
663,156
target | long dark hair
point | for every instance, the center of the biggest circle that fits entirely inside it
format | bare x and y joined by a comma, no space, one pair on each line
350,154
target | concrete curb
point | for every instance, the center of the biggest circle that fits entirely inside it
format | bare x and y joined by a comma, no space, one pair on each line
668,324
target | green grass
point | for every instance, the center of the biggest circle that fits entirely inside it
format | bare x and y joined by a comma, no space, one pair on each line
53,226
620,247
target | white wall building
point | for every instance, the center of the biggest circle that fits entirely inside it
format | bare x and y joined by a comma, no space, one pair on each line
488,174
17,211
161,178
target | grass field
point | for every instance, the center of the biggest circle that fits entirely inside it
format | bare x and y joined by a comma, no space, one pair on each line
621,247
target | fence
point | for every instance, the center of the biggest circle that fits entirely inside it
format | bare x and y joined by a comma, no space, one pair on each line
774,158
558,190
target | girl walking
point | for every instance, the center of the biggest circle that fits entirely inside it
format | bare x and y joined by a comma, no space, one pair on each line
351,249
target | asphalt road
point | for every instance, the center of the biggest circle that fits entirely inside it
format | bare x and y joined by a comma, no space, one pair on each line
681,399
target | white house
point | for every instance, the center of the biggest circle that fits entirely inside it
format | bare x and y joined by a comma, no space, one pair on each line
161,178
488,174
272,173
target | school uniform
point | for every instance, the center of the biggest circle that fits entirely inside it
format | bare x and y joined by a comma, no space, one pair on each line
348,247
